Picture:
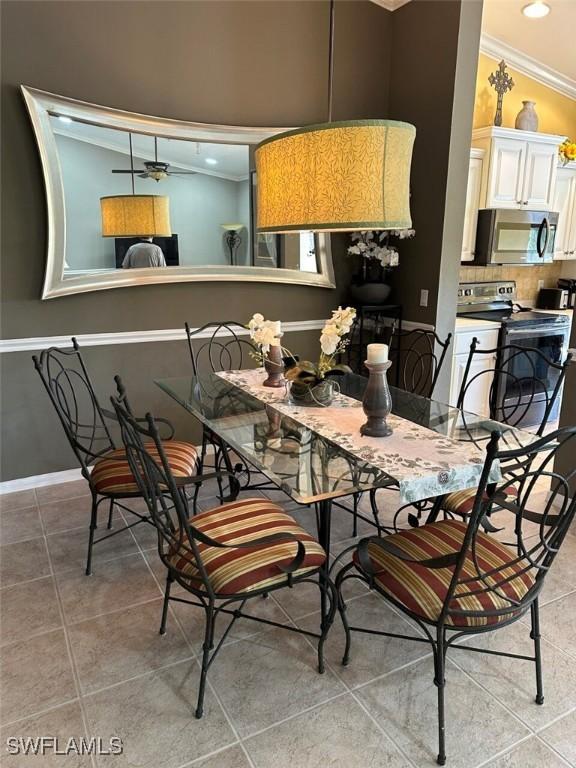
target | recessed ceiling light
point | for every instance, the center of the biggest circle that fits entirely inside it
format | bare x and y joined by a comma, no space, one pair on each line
64,119
211,161
536,10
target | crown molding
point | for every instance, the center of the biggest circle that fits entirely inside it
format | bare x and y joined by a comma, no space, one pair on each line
525,64
391,5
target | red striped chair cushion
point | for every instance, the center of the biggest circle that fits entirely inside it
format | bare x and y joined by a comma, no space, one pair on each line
461,502
233,571
112,475
423,590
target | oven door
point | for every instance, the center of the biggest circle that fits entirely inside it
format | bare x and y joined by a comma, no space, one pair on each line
526,382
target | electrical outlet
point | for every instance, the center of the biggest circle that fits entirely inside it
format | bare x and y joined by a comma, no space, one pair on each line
540,284
423,298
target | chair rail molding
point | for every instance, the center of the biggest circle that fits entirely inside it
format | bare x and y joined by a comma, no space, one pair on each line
527,65
34,343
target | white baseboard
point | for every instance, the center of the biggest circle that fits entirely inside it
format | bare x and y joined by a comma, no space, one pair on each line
39,481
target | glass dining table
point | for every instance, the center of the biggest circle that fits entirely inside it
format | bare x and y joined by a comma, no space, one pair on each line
317,455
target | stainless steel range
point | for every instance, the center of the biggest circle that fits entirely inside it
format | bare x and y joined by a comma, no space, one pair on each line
549,333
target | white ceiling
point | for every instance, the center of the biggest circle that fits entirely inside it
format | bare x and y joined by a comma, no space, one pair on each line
550,41
232,159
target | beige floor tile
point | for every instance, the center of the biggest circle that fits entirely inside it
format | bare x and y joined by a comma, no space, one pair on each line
113,585
562,736
405,702
71,490
64,723
562,576
20,525
154,717
338,733
35,675
23,561
18,500
122,645
28,609
67,514
530,754
514,681
233,757
371,656
68,550
558,622
269,677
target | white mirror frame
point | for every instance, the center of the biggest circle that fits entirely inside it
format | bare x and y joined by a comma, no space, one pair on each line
41,105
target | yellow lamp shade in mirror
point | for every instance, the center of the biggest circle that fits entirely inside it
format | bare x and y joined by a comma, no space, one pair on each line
135,216
336,177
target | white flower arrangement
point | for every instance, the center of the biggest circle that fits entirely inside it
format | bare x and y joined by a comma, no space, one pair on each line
374,246
265,333
335,328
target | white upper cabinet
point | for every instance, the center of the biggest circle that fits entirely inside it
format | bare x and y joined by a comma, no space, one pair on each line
565,205
519,168
507,160
539,176
472,203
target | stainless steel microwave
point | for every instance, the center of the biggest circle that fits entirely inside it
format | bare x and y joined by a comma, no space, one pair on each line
507,236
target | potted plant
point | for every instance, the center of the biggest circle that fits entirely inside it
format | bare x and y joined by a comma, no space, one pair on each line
567,151
266,335
310,383
377,259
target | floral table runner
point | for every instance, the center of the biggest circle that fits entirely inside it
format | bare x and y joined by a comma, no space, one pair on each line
423,463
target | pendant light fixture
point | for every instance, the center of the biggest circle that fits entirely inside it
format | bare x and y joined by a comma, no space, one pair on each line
135,215
335,176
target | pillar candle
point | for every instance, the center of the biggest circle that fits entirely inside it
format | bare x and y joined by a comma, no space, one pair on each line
377,353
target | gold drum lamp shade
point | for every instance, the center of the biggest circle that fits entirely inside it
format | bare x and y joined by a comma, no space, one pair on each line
135,216
336,176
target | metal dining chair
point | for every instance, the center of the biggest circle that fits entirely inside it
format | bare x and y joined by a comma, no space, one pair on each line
223,557
417,356
103,465
511,397
214,347
453,579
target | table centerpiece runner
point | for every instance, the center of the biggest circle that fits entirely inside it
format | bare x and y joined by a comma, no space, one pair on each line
422,462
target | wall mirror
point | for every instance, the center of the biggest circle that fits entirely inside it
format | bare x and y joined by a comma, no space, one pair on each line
134,199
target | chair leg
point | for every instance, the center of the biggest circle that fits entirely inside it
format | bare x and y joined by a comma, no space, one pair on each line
342,610
535,635
440,683
328,586
93,526
110,514
355,498
200,470
169,580
206,648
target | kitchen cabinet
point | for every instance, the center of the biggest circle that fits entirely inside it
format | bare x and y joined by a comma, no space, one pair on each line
477,398
472,203
519,168
565,205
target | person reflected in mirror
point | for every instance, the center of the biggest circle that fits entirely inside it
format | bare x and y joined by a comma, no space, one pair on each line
144,254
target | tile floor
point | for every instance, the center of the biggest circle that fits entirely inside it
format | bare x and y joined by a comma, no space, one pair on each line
81,657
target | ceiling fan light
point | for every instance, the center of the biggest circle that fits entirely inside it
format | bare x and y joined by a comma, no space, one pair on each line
339,176
135,216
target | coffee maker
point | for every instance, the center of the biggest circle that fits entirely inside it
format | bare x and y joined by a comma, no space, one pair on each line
569,285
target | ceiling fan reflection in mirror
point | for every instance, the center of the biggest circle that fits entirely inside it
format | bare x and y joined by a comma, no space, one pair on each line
153,169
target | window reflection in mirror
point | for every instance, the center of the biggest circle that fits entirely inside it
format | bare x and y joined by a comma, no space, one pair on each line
210,192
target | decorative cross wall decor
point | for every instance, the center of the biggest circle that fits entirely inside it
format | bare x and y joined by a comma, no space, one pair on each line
501,82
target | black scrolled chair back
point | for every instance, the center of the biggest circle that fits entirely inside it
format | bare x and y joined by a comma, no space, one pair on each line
72,394
165,500
541,519
418,356
219,346
513,395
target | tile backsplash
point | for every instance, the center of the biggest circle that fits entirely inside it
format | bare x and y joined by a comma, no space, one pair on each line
526,278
